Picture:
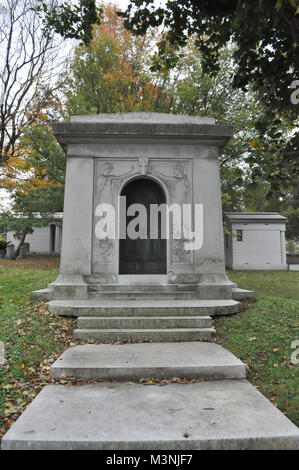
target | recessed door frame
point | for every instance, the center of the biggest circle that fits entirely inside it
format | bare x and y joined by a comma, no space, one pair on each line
166,194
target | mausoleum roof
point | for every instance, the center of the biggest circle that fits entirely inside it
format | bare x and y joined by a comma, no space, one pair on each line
255,217
147,127
144,117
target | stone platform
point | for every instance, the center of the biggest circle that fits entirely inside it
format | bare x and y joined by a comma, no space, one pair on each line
102,320
226,414
95,307
160,360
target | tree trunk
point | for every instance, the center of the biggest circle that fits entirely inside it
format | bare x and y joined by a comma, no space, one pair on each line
22,241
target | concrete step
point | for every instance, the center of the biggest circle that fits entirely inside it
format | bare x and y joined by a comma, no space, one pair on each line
194,360
210,415
42,294
156,308
145,334
142,295
128,279
167,288
243,295
144,322
201,291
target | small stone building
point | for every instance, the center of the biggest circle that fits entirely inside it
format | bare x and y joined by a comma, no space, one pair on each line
147,157
43,240
256,241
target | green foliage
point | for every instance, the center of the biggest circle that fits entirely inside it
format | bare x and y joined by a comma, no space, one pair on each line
266,36
292,229
70,21
15,223
3,244
256,198
45,156
36,182
195,92
290,247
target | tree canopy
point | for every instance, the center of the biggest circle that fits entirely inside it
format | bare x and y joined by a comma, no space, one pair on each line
111,74
265,38
266,34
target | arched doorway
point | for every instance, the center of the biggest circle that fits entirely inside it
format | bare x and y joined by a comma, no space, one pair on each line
143,256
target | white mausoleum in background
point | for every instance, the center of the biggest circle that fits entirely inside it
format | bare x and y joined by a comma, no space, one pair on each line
43,240
257,240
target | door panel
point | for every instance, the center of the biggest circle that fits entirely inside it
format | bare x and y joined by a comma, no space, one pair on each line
143,256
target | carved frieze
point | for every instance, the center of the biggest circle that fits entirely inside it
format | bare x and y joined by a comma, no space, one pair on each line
112,174
106,250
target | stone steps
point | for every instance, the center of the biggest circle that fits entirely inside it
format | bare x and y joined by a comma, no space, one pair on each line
158,290
144,322
96,307
150,288
145,334
195,360
135,295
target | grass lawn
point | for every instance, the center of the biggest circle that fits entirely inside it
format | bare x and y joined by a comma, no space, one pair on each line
261,335
33,337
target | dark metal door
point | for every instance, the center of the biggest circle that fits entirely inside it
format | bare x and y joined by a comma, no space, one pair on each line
143,256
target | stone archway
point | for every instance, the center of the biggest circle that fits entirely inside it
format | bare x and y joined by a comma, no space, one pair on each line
143,256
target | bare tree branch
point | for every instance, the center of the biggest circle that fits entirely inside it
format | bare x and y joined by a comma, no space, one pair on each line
29,62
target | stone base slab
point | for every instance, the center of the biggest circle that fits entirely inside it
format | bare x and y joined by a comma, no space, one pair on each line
225,414
117,308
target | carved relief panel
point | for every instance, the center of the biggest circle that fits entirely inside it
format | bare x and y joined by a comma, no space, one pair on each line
110,176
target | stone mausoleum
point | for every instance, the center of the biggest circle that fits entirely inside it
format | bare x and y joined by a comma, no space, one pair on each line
256,240
149,158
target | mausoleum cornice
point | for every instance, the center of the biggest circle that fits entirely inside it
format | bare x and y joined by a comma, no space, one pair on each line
150,127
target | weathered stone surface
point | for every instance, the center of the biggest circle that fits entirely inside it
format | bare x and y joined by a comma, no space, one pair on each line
143,308
23,252
10,251
42,294
293,267
159,360
136,295
243,295
145,322
225,414
145,334
154,118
